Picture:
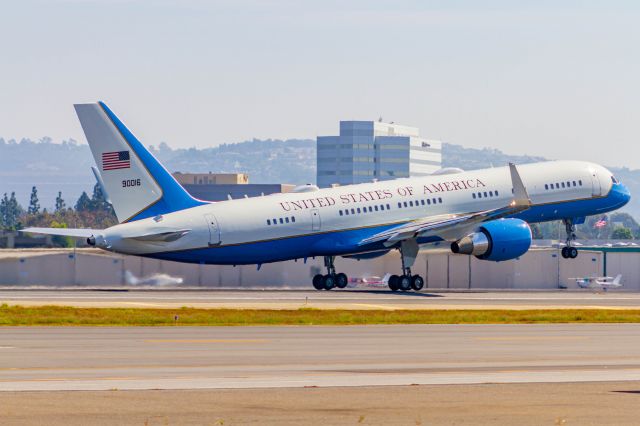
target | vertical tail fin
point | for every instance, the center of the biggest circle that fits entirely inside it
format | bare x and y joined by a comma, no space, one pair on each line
137,183
617,279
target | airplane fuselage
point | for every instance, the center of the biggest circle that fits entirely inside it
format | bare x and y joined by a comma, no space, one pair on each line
334,221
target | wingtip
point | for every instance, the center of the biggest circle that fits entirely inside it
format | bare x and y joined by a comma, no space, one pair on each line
520,194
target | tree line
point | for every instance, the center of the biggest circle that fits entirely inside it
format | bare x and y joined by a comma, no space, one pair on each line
87,212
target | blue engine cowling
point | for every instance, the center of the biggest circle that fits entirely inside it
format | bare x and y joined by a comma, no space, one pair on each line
498,240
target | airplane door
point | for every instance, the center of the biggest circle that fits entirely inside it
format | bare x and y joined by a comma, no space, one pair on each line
315,220
595,183
214,230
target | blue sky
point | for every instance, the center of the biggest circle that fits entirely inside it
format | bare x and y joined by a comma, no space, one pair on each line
552,78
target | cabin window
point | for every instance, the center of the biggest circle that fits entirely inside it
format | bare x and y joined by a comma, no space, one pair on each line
293,219
268,222
353,211
410,203
568,184
375,208
275,221
485,195
440,200
370,209
563,184
281,221
286,219
346,212
473,195
388,207
422,202
340,212
399,205
580,182
496,192
479,194
546,186
574,183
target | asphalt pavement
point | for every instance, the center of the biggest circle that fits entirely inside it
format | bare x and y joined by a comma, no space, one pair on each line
137,358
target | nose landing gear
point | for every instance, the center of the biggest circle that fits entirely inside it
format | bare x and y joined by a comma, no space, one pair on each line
569,252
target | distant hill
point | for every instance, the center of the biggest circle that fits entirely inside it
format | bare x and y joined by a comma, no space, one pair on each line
65,166
473,158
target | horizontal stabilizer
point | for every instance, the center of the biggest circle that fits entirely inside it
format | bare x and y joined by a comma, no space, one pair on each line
64,232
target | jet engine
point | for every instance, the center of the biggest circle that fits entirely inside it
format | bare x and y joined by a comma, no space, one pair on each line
497,240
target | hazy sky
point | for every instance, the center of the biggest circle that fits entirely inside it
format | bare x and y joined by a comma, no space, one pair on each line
559,79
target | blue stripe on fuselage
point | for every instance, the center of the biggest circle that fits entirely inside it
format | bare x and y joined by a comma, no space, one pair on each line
346,242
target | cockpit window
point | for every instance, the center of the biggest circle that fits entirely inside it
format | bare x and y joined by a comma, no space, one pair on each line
613,179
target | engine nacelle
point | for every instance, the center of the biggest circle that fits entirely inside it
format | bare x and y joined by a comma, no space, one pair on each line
498,240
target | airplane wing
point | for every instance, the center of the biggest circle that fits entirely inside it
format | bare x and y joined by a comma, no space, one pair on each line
63,232
455,225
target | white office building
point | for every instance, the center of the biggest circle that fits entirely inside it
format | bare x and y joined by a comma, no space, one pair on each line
368,150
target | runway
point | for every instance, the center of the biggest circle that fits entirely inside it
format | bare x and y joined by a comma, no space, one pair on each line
343,299
138,358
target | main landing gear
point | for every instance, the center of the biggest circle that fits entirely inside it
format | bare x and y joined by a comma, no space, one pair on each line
569,252
406,281
331,279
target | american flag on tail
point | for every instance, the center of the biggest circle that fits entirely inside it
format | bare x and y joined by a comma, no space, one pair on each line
116,160
601,223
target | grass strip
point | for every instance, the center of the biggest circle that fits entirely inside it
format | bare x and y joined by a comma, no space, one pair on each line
72,316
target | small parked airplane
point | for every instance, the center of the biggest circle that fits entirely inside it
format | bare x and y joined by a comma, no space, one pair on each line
603,283
484,213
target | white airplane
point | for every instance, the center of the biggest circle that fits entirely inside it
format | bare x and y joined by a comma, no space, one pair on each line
484,213
603,283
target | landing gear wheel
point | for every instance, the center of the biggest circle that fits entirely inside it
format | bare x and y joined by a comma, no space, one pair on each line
328,282
572,252
417,282
565,252
341,280
393,282
317,282
404,283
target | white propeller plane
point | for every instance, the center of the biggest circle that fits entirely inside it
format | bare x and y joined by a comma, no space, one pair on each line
603,283
483,213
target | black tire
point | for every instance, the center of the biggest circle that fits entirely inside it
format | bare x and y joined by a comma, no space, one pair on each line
573,252
417,282
341,280
565,252
404,283
328,282
317,282
393,282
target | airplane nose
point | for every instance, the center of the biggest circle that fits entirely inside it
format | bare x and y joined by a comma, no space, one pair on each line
620,194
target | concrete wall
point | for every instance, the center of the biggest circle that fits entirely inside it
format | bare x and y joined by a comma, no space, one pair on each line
538,269
627,264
